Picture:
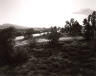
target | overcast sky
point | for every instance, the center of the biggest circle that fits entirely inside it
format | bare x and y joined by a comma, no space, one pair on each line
44,13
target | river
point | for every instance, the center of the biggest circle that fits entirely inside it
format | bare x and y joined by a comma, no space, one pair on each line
18,43
34,35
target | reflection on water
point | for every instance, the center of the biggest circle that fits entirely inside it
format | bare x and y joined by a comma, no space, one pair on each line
34,35
19,38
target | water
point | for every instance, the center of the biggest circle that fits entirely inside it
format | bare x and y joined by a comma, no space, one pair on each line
18,43
19,38
34,35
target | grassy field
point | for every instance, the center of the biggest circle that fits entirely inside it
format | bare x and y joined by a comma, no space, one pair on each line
69,58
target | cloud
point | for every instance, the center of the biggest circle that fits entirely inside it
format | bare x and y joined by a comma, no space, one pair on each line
86,11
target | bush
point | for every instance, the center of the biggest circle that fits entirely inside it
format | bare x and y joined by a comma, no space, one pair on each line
28,33
20,55
53,44
8,53
7,43
31,43
42,53
53,36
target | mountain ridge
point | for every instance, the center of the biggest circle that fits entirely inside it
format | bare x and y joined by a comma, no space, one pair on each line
6,25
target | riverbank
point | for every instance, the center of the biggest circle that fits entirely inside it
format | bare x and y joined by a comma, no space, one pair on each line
42,39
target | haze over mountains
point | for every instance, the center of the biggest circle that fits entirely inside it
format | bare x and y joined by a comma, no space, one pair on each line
6,25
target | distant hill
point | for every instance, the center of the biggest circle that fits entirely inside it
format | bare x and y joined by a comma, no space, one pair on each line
39,29
6,25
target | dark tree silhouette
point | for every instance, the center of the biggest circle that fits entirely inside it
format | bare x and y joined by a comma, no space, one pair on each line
28,33
90,26
9,54
62,30
7,43
76,28
73,27
53,36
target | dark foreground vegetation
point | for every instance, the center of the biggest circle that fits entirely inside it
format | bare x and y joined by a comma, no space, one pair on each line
53,58
71,58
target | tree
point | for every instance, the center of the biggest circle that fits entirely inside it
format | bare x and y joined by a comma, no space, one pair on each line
53,36
87,30
67,27
28,33
90,26
62,30
7,42
73,27
93,23
76,28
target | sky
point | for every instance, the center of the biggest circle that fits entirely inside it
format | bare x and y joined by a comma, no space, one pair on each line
44,13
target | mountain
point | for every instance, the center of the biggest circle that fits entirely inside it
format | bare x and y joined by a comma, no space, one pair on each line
6,25
39,29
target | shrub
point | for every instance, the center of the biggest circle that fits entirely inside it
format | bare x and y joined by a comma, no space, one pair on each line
8,53
20,55
42,53
7,43
94,44
28,33
31,43
53,36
